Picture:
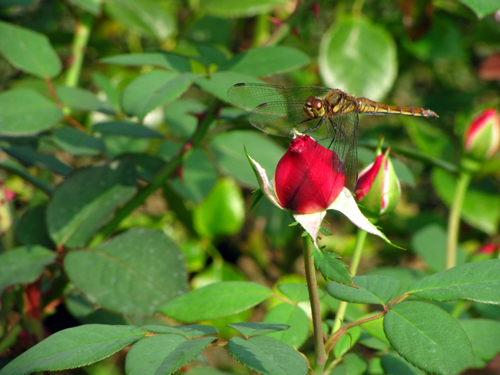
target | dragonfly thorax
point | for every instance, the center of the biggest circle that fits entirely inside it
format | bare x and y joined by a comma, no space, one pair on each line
314,107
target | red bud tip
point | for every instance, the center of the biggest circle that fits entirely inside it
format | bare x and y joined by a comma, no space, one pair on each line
309,177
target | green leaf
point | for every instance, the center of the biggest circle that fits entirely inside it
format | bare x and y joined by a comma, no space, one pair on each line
147,17
74,347
249,329
29,156
371,289
265,61
200,176
77,98
406,276
477,281
268,356
167,60
76,142
424,134
222,213
374,327
86,200
346,341
164,330
395,365
153,89
200,370
29,51
352,364
92,6
32,228
295,291
430,243
356,45
108,88
216,301
240,8
134,273
196,330
23,264
210,55
219,82
25,112
296,318
210,31
163,354
179,116
483,335
228,149
481,207
482,8
428,338
126,128
332,268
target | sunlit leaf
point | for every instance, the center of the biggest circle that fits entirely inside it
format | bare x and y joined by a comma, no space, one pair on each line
74,347
241,8
476,281
268,356
429,338
358,57
216,300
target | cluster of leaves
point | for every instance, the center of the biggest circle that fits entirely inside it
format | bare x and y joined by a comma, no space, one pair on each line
89,132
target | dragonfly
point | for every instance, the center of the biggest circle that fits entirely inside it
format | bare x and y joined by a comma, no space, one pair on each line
320,112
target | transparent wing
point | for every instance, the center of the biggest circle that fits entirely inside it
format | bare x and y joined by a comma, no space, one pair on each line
280,118
344,144
251,95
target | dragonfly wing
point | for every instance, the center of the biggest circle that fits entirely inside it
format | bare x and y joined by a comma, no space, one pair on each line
280,118
251,95
344,144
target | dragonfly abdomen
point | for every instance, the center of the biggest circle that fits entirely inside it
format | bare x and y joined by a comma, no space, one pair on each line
368,106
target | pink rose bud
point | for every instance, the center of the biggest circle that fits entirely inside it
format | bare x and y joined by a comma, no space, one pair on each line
482,138
307,179
378,188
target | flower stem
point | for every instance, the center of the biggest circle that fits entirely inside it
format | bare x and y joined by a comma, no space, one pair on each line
454,218
312,286
356,256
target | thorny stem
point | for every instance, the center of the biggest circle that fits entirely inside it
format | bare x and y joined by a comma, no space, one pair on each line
360,241
312,286
454,218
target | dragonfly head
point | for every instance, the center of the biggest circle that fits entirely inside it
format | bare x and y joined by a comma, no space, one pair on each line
314,107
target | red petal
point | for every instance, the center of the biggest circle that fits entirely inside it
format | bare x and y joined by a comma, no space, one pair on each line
366,178
306,178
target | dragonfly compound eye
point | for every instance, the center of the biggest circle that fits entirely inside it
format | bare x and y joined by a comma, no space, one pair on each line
314,107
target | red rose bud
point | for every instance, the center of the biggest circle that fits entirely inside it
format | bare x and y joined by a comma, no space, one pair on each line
378,187
306,179
488,249
482,138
